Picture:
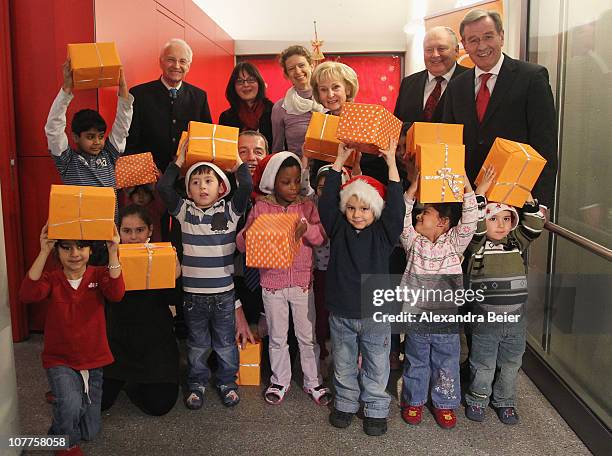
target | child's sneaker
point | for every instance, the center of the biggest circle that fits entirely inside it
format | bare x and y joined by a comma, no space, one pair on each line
340,419
412,414
374,426
445,418
507,415
320,394
394,361
475,413
195,400
229,395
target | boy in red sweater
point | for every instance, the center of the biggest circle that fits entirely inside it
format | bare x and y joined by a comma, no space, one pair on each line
75,345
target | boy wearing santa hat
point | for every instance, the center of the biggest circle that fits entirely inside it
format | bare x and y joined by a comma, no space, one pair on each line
363,221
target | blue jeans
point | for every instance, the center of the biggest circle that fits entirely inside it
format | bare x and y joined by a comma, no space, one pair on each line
75,413
211,323
498,346
349,338
432,359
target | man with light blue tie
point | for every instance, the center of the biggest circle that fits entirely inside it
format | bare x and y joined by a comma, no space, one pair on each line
162,110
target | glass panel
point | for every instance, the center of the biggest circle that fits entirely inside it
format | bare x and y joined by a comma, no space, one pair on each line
585,204
544,29
581,329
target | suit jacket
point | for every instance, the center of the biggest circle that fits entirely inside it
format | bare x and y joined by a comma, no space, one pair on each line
230,118
409,104
158,120
521,109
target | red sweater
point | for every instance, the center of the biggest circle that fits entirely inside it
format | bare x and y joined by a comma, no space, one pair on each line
75,327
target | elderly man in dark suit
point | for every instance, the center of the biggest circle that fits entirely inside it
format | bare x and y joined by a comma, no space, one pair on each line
164,107
421,95
501,97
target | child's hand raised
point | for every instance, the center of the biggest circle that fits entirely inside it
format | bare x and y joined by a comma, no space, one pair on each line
344,152
113,244
123,88
487,180
67,72
389,154
236,165
467,186
414,185
46,244
301,229
180,160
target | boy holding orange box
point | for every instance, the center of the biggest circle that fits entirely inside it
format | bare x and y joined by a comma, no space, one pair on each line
92,163
208,226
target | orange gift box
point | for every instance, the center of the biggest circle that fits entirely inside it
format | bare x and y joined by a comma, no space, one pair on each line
442,168
212,143
517,168
321,142
79,212
431,133
249,372
371,127
148,266
270,241
138,169
94,65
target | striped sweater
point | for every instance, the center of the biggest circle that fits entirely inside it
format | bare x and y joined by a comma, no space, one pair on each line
497,267
79,168
209,235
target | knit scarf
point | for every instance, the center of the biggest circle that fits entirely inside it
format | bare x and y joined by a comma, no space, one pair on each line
294,104
249,116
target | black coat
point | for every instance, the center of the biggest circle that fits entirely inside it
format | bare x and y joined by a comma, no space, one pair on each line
230,118
158,121
409,104
521,109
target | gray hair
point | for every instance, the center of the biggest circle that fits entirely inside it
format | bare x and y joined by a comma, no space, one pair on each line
478,14
450,31
178,42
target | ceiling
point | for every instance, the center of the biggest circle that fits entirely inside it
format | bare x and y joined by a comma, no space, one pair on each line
267,26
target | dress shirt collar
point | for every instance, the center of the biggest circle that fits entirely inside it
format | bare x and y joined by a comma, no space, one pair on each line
178,87
494,70
447,76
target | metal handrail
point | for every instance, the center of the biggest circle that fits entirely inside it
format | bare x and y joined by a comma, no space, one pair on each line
580,241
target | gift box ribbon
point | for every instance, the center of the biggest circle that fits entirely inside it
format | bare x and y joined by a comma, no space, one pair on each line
515,184
447,177
80,220
322,135
100,64
249,365
213,139
150,248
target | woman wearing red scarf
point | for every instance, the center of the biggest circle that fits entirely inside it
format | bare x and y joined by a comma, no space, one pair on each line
249,107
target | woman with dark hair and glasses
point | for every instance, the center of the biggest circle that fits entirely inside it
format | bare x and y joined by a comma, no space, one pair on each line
249,107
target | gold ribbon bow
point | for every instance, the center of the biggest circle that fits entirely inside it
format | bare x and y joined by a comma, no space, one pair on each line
447,177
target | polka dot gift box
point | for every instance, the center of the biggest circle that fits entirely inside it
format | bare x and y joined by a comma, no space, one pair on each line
270,241
136,169
369,126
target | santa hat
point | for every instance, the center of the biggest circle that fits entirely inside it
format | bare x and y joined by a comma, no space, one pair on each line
366,189
265,173
224,184
495,208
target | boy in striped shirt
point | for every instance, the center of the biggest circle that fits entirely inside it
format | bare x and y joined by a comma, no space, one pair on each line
92,163
208,225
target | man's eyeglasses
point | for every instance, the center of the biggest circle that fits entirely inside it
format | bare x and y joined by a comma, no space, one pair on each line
246,81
